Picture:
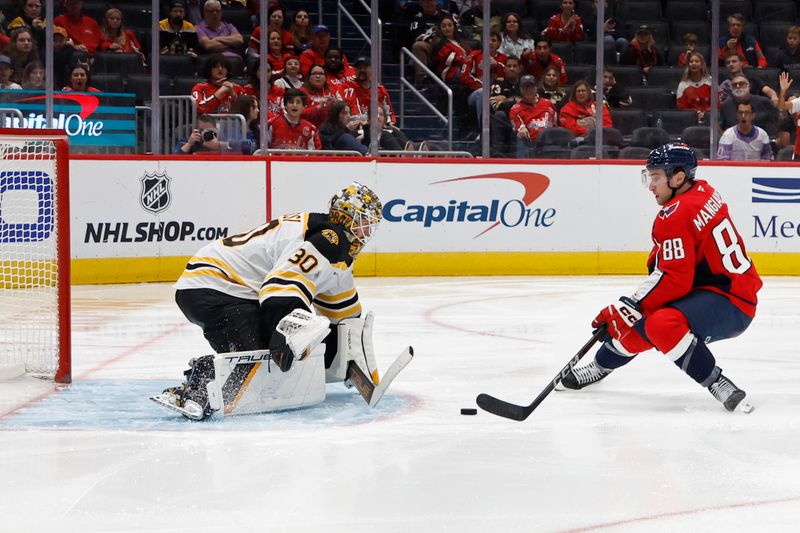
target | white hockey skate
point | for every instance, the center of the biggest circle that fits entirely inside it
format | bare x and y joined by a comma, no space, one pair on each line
172,398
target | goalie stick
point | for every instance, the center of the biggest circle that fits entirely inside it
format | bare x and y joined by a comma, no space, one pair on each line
519,413
372,393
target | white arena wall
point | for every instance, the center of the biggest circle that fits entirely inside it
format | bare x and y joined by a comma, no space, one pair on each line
136,218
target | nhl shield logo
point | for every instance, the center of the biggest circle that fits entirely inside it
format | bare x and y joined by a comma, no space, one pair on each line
155,195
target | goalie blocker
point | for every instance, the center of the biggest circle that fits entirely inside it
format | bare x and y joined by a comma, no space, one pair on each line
254,382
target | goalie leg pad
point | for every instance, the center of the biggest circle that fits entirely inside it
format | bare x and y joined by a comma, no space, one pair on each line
354,344
247,383
297,334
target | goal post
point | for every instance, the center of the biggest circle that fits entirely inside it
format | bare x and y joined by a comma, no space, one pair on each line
35,320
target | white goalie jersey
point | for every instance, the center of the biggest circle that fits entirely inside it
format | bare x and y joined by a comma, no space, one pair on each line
300,255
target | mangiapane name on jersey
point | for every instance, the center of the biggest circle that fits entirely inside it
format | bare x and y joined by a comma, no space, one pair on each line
511,213
708,210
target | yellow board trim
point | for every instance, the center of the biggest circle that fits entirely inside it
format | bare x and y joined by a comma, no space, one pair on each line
151,269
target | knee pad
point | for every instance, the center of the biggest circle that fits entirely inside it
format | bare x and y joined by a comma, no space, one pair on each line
667,329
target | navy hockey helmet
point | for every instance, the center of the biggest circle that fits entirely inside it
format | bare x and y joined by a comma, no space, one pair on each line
673,157
359,210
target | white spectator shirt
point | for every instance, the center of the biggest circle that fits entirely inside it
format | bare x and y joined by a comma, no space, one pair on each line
735,146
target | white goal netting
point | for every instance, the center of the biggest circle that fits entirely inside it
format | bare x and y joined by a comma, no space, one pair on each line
31,304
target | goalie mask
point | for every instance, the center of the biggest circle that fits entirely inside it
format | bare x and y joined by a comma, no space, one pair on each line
358,209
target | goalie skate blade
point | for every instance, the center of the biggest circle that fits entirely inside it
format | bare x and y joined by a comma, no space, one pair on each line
745,407
399,364
192,410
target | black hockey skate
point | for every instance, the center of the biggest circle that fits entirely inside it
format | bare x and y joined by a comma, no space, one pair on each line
726,392
578,378
191,398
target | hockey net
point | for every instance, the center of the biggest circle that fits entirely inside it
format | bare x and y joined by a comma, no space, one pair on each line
34,254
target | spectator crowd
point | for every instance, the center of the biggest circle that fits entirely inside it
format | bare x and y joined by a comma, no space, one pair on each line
542,60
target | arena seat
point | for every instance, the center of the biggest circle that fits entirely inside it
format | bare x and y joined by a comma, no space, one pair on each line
667,77
640,10
701,28
628,75
650,98
107,82
587,151
785,10
564,50
729,7
648,137
177,65
580,72
686,10
586,54
628,120
554,142
773,34
675,121
611,137
117,63
634,152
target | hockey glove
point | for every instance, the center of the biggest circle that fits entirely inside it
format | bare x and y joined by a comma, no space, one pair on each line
620,318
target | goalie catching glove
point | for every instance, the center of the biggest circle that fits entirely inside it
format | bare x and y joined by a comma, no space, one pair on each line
620,319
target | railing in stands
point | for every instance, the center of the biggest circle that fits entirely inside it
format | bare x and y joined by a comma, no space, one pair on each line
404,83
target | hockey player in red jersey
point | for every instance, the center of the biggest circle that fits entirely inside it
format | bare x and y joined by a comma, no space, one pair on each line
702,285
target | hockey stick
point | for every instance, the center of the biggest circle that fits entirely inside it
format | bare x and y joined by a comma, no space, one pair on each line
519,413
372,393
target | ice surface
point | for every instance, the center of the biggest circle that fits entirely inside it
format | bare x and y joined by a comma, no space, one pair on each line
644,450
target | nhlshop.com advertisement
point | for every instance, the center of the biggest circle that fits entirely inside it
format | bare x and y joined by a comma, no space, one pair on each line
161,209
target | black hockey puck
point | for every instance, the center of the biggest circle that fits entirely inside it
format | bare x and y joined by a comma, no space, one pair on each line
469,411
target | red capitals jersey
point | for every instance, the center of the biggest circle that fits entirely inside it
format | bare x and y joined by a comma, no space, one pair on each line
358,98
203,95
285,135
535,117
696,247
274,98
533,66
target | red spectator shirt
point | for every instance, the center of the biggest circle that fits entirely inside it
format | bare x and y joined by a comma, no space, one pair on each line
694,95
203,95
276,64
536,68
697,247
301,136
534,117
555,30
85,31
455,63
573,111
129,45
337,81
308,59
89,89
359,98
498,69
317,105
255,40
274,98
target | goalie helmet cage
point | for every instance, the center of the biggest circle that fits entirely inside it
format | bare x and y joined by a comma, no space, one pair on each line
34,253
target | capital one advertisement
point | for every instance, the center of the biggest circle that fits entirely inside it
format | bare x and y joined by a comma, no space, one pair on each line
89,119
452,207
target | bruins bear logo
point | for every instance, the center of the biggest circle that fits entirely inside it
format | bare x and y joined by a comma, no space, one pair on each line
331,235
